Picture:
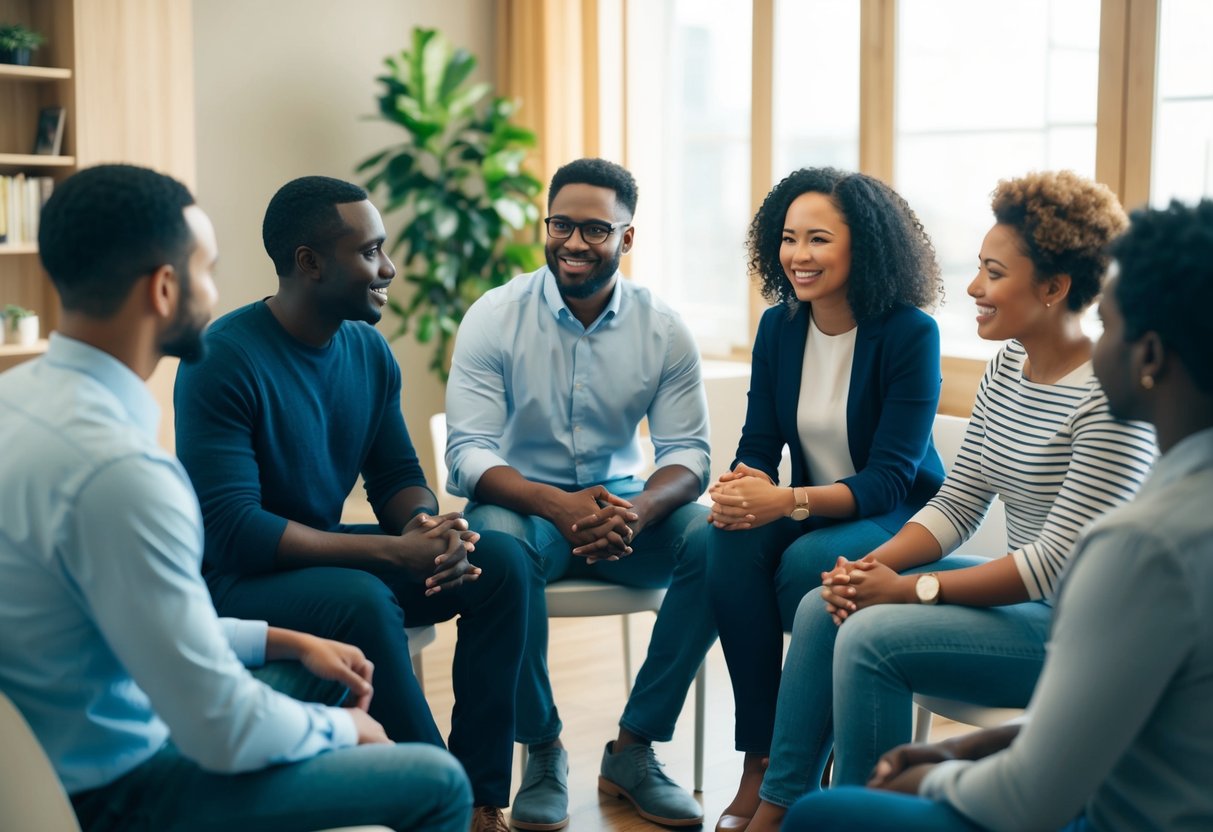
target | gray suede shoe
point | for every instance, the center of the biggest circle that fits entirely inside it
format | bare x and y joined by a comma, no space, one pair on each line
542,802
635,774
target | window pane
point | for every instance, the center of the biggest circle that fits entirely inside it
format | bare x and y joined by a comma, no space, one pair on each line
688,65
987,90
816,113
1183,121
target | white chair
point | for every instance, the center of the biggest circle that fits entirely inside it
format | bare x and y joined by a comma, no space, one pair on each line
31,797
419,638
588,598
989,541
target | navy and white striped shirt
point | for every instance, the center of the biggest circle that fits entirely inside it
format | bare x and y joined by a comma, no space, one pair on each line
1055,456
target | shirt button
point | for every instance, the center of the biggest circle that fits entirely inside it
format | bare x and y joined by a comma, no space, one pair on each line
578,385
576,428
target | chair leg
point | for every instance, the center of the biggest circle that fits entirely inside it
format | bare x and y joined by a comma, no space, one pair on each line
922,724
627,655
523,753
419,671
701,688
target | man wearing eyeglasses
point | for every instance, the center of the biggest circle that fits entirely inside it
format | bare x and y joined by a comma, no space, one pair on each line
551,377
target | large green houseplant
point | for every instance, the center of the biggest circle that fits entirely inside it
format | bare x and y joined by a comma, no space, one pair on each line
470,220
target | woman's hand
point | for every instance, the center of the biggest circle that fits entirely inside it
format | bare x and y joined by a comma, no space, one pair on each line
745,498
854,585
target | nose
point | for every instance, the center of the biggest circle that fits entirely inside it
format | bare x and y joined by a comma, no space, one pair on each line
386,269
802,253
576,241
976,286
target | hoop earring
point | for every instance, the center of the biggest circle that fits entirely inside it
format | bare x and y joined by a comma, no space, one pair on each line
1147,382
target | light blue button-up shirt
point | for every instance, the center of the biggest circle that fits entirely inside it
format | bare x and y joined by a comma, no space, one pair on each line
108,638
534,389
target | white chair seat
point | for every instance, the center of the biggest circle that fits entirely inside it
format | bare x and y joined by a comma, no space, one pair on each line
587,598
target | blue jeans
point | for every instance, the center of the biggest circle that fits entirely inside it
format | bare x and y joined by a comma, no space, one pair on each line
852,686
851,807
399,786
371,611
757,578
667,554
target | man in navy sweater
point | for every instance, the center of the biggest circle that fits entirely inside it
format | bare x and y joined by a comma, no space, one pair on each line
299,395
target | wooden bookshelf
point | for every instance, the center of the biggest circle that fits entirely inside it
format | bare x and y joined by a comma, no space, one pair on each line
13,354
122,70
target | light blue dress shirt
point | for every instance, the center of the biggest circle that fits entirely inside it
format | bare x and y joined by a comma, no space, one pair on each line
533,389
108,638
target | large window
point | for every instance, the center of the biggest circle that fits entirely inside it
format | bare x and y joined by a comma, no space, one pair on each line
941,98
1183,122
688,143
987,91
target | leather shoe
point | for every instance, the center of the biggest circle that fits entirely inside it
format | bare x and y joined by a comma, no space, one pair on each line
732,823
488,819
634,774
542,802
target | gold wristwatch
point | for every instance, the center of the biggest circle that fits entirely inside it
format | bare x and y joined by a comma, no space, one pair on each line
927,588
801,498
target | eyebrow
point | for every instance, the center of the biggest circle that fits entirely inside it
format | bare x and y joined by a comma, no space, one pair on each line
810,231
988,260
570,219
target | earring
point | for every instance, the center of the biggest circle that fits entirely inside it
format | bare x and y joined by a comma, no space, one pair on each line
1049,305
1147,382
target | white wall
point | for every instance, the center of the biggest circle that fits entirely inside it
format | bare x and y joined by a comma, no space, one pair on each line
282,87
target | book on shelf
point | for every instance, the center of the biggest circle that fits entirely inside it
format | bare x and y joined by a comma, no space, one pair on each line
21,200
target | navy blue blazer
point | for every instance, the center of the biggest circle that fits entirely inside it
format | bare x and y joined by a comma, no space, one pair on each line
895,382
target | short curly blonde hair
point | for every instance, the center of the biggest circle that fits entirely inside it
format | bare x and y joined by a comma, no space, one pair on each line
1066,222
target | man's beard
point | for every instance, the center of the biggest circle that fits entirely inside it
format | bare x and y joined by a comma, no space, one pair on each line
184,338
591,285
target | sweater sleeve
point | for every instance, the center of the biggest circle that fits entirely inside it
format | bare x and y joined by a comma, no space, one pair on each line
910,384
216,404
761,445
391,464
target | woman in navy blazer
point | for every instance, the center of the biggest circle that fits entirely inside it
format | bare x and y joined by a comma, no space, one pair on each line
846,376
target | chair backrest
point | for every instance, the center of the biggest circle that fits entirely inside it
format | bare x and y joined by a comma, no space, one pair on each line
31,797
991,539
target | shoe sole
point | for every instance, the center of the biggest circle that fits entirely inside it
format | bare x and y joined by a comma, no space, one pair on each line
608,788
539,827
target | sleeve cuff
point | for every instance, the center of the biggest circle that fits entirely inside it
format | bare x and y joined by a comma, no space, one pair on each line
345,734
935,785
940,527
247,639
465,474
697,462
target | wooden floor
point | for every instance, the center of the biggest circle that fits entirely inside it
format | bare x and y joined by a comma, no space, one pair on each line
586,662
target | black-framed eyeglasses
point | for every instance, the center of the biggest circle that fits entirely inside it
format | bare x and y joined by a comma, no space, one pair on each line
592,231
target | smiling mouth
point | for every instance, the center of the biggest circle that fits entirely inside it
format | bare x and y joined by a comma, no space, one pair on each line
380,293
802,274
985,312
577,264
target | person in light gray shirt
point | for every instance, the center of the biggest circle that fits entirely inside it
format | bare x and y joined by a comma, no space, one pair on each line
1119,734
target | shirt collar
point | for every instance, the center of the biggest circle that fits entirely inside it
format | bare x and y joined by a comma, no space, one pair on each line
1186,457
561,311
111,374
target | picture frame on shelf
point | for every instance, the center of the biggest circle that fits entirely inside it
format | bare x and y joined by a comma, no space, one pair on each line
49,139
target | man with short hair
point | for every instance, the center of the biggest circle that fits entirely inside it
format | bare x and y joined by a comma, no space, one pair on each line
298,396
551,377
109,644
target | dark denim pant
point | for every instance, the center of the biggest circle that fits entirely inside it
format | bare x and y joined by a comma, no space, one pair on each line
399,786
670,553
371,612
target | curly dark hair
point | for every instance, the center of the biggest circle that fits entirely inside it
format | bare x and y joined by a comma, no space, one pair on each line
107,226
1066,222
892,259
1165,283
598,172
304,213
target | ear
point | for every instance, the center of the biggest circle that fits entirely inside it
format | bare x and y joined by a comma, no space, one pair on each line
1056,289
1151,357
163,291
307,262
627,239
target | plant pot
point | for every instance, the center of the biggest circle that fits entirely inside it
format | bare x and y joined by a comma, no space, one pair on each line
27,331
20,57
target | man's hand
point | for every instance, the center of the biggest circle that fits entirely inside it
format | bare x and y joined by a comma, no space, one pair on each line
339,662
902,769
434,549
591,515
370,732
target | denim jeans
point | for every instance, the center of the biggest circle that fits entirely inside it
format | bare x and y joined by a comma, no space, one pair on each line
399,786
667,554
371,612
852,686
850,807
757,578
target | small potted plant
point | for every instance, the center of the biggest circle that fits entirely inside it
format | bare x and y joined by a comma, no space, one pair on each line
17,42
23,323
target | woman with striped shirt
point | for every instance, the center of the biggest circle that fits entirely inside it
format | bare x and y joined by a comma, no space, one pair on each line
906,618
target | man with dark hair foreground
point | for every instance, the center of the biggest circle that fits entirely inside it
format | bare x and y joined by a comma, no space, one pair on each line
298,396
1119,732
111,648
551,376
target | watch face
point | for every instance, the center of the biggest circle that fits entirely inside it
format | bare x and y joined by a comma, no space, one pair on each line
927,589
800,513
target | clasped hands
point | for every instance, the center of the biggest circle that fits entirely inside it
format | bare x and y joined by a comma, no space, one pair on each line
599,525
746,498
434,548
855,584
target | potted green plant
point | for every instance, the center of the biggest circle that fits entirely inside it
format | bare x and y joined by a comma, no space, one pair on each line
470,219
23,324
17,42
